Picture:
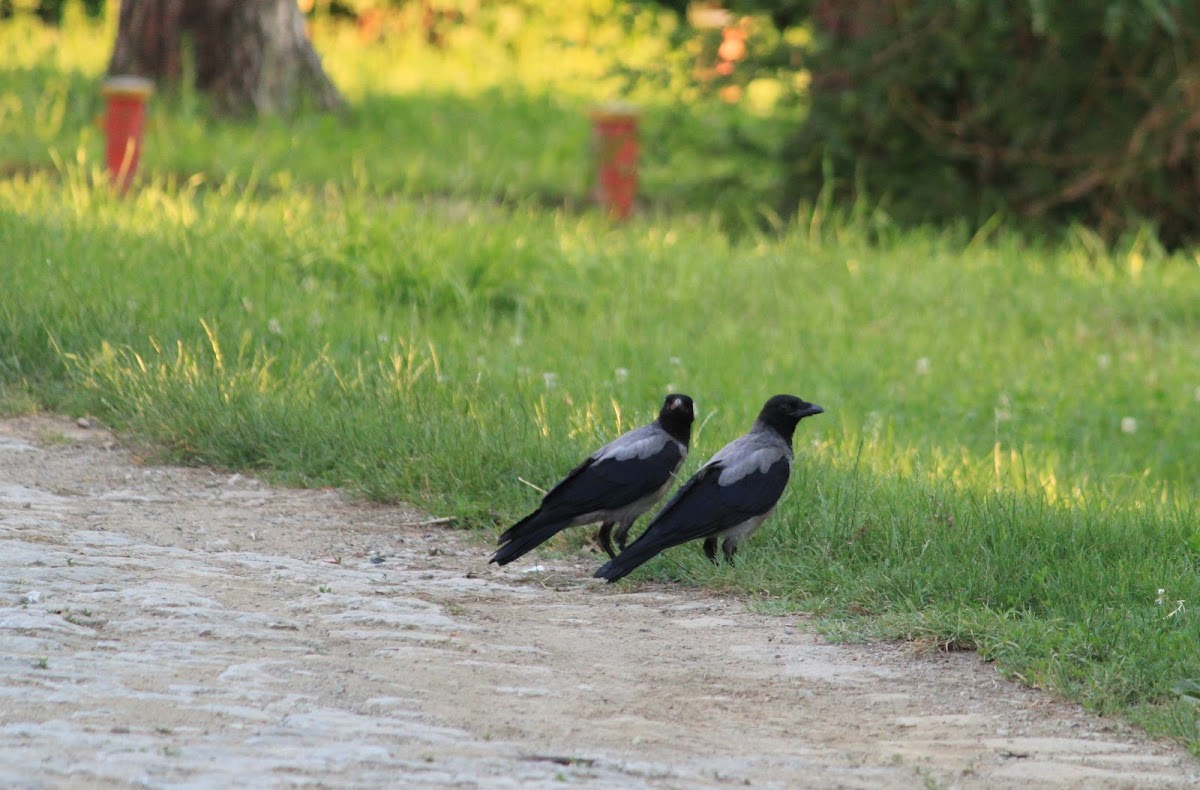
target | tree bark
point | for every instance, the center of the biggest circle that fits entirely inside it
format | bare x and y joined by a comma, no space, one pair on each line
149,40
251,56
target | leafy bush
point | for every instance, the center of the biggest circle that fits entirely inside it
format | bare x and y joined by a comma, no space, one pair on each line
1049,109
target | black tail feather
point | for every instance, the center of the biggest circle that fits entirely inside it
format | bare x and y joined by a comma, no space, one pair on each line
641,551
526,535
511,533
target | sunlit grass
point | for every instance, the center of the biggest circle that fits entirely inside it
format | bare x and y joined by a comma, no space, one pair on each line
484,116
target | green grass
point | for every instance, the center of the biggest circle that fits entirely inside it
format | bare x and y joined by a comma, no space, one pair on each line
1007,461
436,351
477,118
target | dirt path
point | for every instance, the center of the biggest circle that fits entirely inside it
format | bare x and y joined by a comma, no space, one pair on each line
181,628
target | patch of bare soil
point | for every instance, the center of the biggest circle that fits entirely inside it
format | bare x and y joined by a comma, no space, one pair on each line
173,627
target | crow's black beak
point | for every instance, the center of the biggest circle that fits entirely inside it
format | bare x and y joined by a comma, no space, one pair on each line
808,410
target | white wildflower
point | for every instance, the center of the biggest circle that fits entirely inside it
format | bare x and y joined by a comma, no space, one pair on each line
1128,425
923,366
1004,408
274,327
622,374
1103,361
550,379
873,425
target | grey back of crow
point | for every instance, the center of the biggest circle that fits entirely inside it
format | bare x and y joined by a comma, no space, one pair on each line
730,496
614,485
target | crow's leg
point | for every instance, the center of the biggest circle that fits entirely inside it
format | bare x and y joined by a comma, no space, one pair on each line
605,538
622,533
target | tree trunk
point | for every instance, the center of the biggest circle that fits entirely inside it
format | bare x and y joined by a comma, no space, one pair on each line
149,40
251,56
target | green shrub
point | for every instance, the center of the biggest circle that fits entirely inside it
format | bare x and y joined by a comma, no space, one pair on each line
1051,109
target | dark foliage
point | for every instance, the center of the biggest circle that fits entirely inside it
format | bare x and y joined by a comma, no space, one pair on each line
1051,110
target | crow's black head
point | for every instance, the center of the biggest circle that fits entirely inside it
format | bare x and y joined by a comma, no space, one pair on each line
782,412
676,417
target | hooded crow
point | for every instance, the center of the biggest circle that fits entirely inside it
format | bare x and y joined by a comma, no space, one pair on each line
731,494
615,485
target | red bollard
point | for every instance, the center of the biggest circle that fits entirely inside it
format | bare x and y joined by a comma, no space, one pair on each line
124,126
615,132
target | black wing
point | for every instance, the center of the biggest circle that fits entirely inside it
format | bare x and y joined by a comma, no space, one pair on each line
612,483
704,507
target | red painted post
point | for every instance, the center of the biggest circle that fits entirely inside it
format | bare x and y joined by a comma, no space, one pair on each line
124,126
615,133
